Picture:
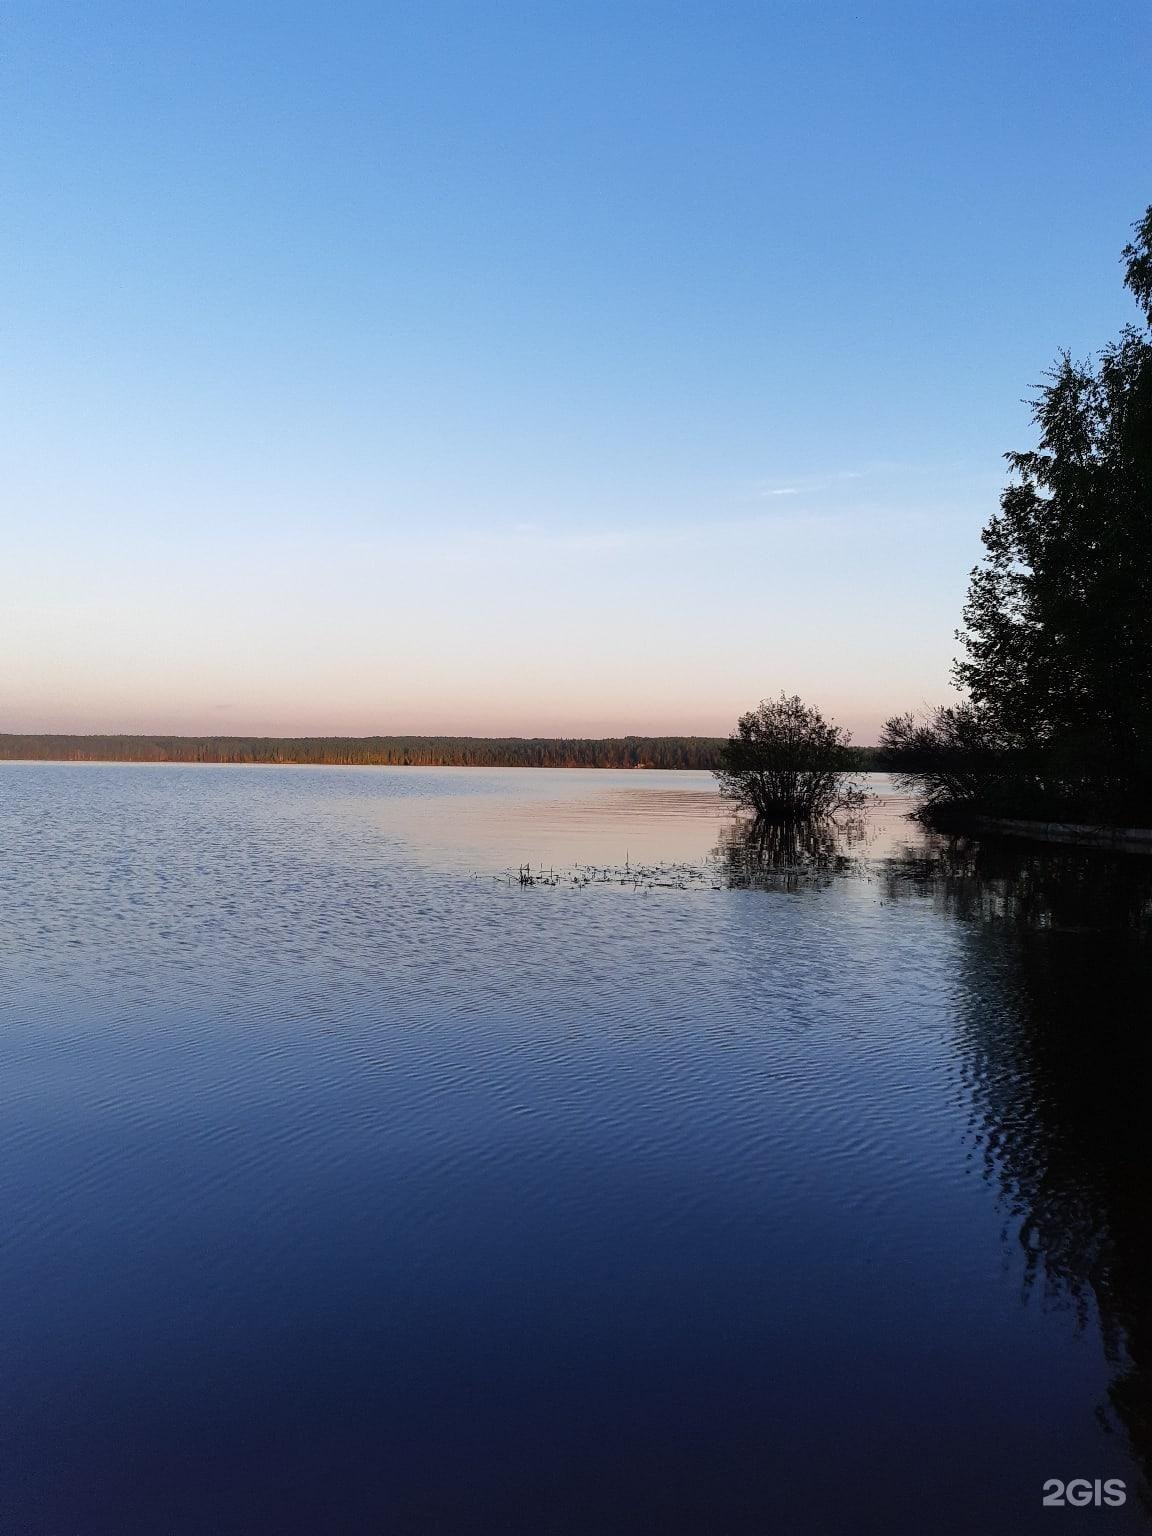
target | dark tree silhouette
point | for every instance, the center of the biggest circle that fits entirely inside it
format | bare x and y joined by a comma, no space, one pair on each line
786,763
1057,642
953,756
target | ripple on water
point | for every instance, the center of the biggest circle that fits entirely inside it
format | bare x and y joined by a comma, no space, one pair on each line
346,1187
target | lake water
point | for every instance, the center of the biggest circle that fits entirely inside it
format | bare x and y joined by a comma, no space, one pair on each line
349,1185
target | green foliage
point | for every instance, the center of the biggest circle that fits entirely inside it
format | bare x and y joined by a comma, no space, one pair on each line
691,752
785,763
372,751
1137,256
1057,640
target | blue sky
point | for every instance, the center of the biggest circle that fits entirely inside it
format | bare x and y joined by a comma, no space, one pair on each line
531,367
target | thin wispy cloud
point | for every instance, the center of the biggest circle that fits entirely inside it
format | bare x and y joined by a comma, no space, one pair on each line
804,485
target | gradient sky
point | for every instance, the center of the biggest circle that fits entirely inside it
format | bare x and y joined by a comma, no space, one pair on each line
524,368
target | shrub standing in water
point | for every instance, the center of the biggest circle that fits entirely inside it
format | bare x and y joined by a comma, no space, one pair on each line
786,763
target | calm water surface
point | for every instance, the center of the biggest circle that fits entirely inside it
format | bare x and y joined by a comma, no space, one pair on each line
349,1186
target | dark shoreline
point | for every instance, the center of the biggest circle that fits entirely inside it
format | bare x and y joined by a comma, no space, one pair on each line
1084,834
660,752
692,753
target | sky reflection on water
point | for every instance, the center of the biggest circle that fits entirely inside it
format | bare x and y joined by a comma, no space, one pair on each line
349,1188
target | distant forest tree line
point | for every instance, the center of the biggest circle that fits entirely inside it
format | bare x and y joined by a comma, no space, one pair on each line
700,752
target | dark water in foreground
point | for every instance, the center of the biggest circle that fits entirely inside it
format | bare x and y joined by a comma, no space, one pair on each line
345,1188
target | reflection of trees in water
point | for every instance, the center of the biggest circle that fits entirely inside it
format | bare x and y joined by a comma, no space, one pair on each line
1056,1053
787,856
1029,885
1054,1047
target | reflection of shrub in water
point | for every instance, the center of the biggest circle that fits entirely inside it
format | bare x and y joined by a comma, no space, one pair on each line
787,856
